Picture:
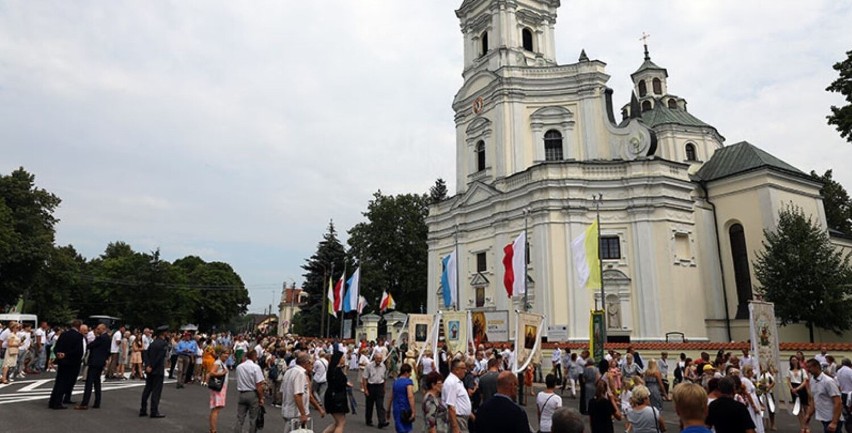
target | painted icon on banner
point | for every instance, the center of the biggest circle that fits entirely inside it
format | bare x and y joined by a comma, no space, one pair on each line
530,332
454,330
420,332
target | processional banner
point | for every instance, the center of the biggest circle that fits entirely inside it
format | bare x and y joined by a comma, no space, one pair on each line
764,336
527,339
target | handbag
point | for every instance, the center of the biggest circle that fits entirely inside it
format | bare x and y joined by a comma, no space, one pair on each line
217,382
405,416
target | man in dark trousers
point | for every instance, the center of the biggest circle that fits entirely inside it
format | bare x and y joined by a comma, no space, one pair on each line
98,355
500,413
155,373
69,356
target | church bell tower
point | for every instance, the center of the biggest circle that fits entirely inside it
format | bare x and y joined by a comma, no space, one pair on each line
501,33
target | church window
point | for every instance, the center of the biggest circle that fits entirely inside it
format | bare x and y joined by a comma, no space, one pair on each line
646,105
484,40
690,152
672,103
742,275
643,88
480,156
658,86
481,262
610,248
527,36
552,145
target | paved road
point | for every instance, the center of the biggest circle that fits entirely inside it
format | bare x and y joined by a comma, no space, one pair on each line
23,409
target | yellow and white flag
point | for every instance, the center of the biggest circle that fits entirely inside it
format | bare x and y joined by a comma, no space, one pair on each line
586,260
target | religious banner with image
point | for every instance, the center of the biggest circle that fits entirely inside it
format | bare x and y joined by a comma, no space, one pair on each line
490,326
419,330
456,331
764,336
527,339
596,333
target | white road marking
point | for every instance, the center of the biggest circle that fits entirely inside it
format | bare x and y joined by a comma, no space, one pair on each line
34,385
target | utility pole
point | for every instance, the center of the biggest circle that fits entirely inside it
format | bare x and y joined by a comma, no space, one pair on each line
526,260
458,263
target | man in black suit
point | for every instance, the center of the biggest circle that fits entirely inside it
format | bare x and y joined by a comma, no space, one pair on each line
69,356
155,373
98,355
500,413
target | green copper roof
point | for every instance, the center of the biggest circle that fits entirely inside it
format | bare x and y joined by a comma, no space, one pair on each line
740,158
648,65
661,114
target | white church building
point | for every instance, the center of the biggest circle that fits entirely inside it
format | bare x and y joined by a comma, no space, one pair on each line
682,214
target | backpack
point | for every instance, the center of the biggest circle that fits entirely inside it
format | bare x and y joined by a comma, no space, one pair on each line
273,372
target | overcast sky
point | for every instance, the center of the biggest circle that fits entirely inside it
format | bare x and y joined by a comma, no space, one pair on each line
235,131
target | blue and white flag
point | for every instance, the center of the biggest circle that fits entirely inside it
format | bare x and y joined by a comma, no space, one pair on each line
350,300
449,278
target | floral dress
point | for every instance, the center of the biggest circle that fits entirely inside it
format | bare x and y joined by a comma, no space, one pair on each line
435,414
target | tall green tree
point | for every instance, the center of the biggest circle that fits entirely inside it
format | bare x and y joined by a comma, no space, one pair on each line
213,294
326,263
59,292
438,192
841,117
391,248
26,233
836,201
808,279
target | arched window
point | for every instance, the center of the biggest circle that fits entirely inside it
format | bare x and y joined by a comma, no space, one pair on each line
643,88
646,105
527,37
553,145
672,103
690,152
484,39
480,156
742,275
658,86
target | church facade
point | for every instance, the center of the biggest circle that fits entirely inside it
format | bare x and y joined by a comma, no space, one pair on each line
539,145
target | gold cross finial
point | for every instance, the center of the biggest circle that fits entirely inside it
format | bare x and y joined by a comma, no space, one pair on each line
644,40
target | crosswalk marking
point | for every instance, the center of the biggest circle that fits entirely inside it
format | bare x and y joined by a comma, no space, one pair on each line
40,389
34,385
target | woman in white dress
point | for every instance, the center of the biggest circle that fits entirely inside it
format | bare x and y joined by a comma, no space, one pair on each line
752,402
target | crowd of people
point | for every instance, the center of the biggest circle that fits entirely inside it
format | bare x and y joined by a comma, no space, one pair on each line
458,392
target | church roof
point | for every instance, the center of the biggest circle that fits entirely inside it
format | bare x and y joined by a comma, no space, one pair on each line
662,114
648,65
739,158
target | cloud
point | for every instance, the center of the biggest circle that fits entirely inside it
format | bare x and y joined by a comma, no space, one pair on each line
237,131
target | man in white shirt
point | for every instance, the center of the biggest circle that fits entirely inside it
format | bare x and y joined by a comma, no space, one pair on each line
114,348
373,382
747,359
556,361
147,338
250,382
40,342
294,390
844,381
319,381
25,335
825,400
823,362
455,397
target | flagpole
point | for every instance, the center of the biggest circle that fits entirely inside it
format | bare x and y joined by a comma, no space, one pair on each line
526,259
458,288
324,301
598,200
357,302
342,313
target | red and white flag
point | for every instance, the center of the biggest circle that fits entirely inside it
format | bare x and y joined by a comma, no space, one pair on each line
387,302
338,293
514,263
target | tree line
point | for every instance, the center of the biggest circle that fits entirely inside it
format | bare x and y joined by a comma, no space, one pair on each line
58,284
390,249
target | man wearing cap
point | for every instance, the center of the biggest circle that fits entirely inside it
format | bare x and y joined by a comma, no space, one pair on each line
186,350
155,373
